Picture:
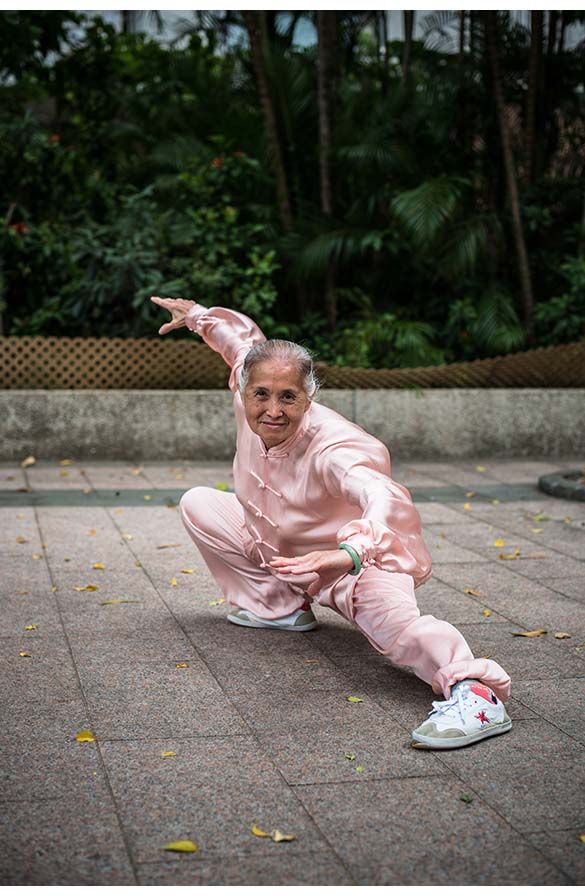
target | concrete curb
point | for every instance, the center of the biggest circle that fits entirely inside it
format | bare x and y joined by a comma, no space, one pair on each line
416,423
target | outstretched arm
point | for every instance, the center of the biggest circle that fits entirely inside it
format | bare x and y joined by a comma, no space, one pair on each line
227,332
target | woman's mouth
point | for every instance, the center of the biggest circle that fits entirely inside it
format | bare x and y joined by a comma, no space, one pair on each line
273,425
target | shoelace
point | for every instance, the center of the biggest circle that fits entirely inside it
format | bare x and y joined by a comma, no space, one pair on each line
456,699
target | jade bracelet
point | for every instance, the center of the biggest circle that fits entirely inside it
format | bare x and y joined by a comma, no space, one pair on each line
357,563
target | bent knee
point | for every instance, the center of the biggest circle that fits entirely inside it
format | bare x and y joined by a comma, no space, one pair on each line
194,504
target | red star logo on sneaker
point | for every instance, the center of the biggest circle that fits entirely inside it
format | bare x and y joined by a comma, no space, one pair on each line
482,717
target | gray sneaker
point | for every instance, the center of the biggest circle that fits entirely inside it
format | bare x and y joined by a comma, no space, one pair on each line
300,621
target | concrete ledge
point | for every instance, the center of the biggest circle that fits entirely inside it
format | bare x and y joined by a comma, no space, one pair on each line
413,423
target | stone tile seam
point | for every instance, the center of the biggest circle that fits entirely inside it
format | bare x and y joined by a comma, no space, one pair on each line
107,781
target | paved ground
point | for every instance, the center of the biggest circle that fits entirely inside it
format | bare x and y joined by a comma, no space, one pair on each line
258,722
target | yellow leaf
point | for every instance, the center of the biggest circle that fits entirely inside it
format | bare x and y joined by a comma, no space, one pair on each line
182,665
537,531
216,603
467,506
355,700
166,753
92,532
487,657
28,461
540,517
481,469
486,612
568,519
562,635
44,544
258,832
119,511
173,582
469,494
582,838
222,486
21,539
25,592
23,653
65,463
188,571
53,588
85,588
350,756
181,846
127,536
84,736
360,768
499,543
88,491
138,564
64,473
19,516
147,497
534,634
119,600
472,591
513,556
136,471
161,546
98,565
495,502
278,837
31,628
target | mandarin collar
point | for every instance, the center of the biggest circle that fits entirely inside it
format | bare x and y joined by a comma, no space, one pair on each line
284,448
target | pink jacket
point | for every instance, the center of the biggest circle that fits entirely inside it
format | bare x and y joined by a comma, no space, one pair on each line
302,495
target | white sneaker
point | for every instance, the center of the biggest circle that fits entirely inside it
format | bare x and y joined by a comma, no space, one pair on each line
471,713
302,620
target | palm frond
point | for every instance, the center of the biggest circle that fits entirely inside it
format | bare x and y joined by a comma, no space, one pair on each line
426,210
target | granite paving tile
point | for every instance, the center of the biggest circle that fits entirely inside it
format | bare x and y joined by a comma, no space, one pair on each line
433,512
11,477
444,602
571,587
556,699
67,842
419,831
48,673
44,720
316,867
213,632
212,792
34,607
564,848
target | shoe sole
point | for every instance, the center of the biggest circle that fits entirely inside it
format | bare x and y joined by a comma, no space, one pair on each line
249,623
423,742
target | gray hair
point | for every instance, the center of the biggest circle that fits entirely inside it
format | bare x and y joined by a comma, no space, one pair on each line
285,352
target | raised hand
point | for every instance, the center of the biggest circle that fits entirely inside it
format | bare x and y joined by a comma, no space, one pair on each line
178,308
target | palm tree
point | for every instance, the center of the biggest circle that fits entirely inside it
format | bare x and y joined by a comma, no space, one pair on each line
534,98
407,51
326,28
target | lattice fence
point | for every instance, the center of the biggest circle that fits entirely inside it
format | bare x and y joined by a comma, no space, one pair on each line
69,363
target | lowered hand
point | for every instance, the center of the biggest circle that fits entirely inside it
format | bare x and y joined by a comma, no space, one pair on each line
329,565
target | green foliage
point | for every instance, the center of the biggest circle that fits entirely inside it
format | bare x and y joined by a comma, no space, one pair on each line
562,318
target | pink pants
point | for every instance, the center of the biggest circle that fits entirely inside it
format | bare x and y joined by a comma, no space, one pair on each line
381,604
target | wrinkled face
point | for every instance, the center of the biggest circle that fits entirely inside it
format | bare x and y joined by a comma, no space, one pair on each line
275,401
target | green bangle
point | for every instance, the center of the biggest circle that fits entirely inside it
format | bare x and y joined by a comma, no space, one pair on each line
357,563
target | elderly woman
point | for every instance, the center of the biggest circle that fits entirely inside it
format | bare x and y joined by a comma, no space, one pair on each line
316,515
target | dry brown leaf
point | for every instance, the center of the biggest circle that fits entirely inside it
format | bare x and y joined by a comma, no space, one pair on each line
160,547
98,565
53,588
92,532
582,838
119,511
127,536
216,603
312,661
88,491
472,591
469,494
561,635
85,588
28,461
350,756
25,592
138,564
534,634
84,736
44,544
21,539
136,471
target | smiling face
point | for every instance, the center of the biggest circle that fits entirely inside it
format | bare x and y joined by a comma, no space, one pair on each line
275,401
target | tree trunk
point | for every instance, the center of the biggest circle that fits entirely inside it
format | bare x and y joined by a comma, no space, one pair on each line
491,24
461,35
533,133
326,25
256,27
407,50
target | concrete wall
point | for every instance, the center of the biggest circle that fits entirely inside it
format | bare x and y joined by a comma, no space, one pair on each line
424,424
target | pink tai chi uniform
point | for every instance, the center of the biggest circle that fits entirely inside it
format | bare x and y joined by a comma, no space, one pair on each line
330,482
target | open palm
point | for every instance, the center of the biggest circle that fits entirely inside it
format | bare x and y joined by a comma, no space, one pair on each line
178,308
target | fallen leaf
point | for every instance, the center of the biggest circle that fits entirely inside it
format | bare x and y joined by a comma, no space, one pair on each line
278,837
138,563
65,463
36,557
562,635
312,661
469,494
84,736
92,532
499,543
31,628
481,469
166,753
350,756
467,506
355,700
173,582
472,591
466,798
119,511
537,531
222,486
85,588
28,461
160,547
486,612
258,832
44,544
53,588
19,516
182,665
360,769
495,502
147,497
24,592
88,491
181,846
216,603
127,536
534,634
119,600
540,517
136,471
98,565
23,653
64,473
188,571
487,657
513,556
582,838
21,539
